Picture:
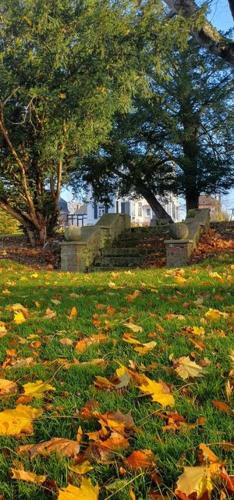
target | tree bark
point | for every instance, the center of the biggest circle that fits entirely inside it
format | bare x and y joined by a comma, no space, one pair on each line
192,200
207,36
156,206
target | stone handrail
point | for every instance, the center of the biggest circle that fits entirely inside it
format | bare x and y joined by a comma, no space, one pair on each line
84,244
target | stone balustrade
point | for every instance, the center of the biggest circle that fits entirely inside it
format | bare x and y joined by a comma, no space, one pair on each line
178,251
84,244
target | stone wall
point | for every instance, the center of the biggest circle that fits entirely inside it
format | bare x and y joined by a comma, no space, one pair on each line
178,251
82,247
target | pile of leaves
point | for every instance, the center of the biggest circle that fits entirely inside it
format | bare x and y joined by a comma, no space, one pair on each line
117,385
213,243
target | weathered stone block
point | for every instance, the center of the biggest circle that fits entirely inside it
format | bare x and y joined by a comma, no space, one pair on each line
178,252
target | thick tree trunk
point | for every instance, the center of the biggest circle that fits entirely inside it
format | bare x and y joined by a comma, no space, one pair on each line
156,206
192,200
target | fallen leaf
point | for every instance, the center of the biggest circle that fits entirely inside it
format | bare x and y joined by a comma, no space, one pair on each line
159,391
83,344
140,459
133,296
194,480
73,313
50,314
82,468
215,314
7,387
222,406
86,491
66,341
19,318
62,446
3,329
17,421
134,328
24,475
186,368
206,454
37,389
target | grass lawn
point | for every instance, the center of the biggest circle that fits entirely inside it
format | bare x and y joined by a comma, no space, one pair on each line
170,303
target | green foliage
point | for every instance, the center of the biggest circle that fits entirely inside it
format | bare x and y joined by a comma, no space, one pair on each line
8,225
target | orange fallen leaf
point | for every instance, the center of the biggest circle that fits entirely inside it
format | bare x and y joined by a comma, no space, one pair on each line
133,296
140,459
7,387
73,313
50,314
83,344
222,406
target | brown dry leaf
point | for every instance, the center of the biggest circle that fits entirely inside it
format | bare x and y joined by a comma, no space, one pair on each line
170,316
62,446
7,387
222,406
19,362
24,475
50,314
117,421
37,389
86,491
18,421
140,459
186,368
133,296
176,422
66,341
159,391
73,313
83,344
134,328
119,381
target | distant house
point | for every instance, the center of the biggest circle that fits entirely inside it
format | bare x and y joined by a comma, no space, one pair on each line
63,208
78,214
214,204
139,210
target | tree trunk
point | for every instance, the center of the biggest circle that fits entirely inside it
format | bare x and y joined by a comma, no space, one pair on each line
156,206
192,200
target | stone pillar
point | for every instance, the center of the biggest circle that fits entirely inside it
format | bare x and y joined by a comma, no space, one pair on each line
71,256
178,252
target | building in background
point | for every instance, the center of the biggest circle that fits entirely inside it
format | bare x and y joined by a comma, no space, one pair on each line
213,203
79,214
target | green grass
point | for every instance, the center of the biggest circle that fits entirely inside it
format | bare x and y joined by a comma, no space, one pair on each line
160,295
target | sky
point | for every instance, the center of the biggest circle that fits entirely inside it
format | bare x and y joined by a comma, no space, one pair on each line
221,18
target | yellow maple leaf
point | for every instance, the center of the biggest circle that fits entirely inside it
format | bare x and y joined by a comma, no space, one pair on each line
37,389
17,421
24,475
187,368
195,480
81,468
86,491
19,317
7,387
145,348
214,314
159,391
198,330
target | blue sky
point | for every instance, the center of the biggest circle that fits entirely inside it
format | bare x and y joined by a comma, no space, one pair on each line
221,18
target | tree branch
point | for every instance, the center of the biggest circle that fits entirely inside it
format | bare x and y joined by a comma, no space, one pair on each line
207,36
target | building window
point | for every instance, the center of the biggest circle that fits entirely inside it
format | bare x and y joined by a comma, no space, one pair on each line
148,212
139,209
101,211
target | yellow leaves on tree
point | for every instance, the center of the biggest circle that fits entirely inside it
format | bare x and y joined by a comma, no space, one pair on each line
37,389
18,421
86,491
159,392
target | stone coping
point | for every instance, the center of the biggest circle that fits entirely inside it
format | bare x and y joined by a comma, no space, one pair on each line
175,242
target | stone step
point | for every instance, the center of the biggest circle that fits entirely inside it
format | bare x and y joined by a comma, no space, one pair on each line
122,261
123,252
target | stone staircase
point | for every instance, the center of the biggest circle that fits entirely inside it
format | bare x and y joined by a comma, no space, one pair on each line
135,247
